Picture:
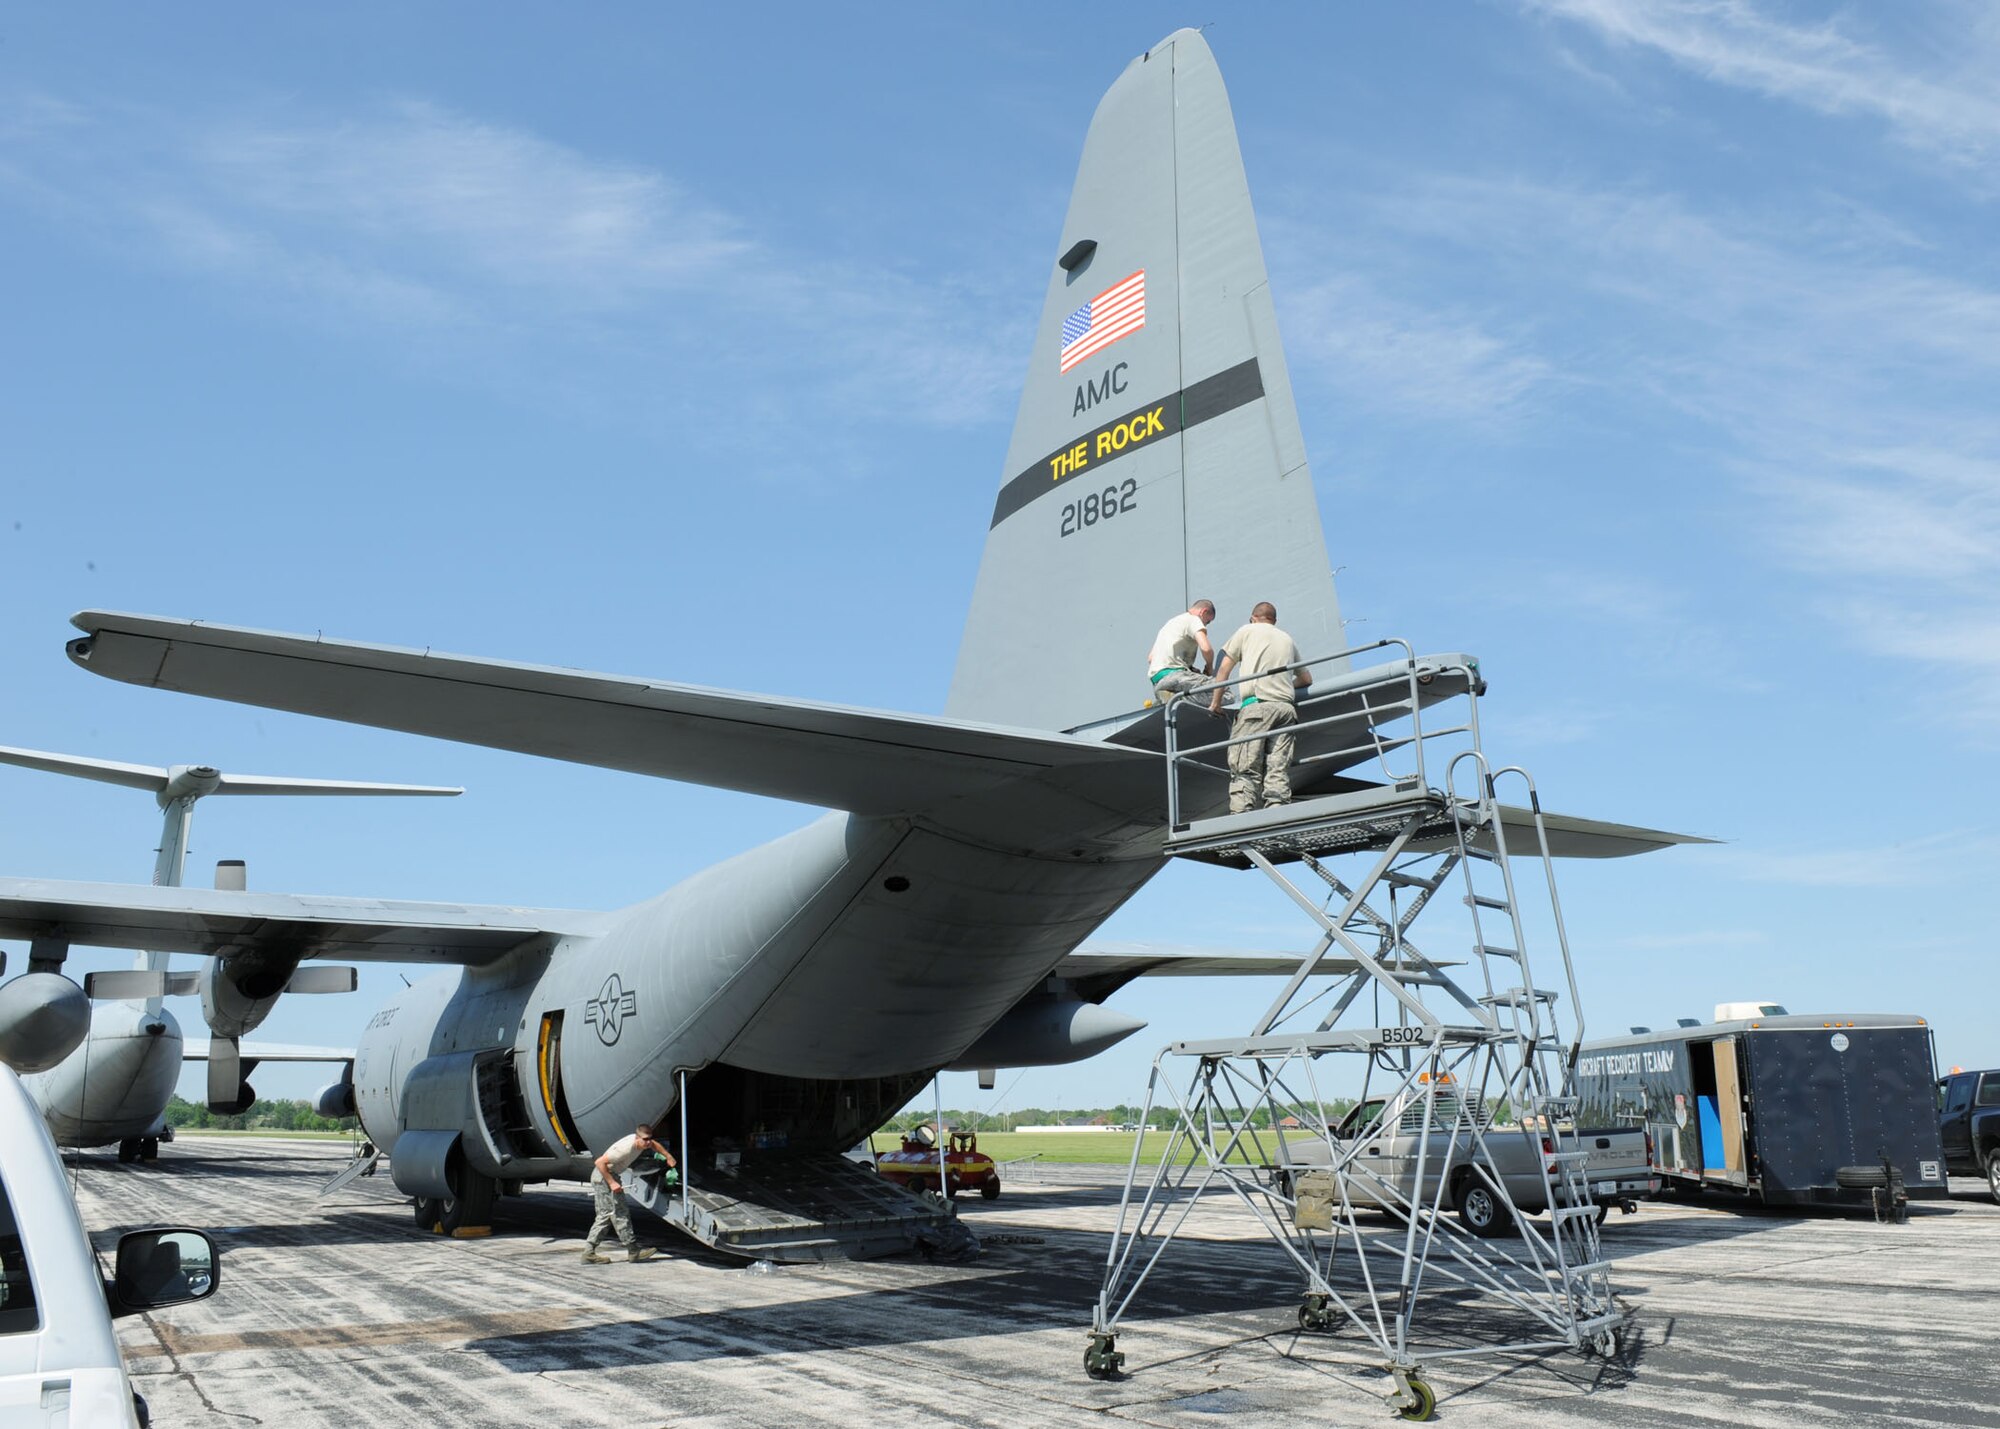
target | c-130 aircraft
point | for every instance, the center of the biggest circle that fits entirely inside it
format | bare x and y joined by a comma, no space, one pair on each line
784,1003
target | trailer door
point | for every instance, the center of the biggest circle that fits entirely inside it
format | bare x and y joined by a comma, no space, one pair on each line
1726,1159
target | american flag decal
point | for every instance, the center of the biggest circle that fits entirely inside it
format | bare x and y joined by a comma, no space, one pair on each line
1118,310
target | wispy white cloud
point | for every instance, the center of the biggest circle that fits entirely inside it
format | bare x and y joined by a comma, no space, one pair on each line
1541,728
1942,101
491,201
1408,358
1936,858
483,245
1845,380
1911,513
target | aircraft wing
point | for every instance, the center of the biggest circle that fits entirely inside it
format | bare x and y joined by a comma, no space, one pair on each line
865,761
221,922
195,1049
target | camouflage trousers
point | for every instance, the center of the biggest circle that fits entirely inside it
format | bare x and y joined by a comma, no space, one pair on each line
612,1214
1260,770
1180,682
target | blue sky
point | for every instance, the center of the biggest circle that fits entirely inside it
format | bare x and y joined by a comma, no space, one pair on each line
1648,350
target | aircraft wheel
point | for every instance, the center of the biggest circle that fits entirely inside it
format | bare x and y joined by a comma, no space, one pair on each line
472,1207
128,1150
1423,1402
149,1148
1993,1173
429,1210
1481,1210
989,1190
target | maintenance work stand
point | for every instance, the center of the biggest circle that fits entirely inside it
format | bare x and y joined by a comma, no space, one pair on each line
1470,1061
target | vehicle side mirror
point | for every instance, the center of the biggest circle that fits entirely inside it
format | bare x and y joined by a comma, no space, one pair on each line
164,1267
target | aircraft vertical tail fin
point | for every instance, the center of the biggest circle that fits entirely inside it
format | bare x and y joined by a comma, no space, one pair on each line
1156,457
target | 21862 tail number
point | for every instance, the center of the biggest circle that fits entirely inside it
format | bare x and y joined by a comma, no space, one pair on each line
1099,506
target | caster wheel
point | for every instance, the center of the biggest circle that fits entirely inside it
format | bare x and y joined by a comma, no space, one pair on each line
1423,1403
1101,1359
1606,1344
1315,1315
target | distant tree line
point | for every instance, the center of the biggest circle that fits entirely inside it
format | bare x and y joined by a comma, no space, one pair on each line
1162,1118
265,1115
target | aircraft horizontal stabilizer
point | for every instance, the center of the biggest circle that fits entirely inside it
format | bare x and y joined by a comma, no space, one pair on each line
1572,837
1097,970
864,761
169,783
202,920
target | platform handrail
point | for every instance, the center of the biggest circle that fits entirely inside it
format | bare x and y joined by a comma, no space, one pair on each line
1409,674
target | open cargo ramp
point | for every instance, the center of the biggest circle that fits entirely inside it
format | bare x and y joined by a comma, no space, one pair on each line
801,1208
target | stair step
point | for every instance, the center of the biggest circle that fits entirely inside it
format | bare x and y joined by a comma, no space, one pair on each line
1519,997
1566,1212
1589,1267
1492,950
1481,900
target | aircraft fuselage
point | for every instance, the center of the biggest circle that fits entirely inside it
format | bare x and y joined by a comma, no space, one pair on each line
807,988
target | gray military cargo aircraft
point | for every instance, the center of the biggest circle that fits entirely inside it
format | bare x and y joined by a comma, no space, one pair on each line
114,1085
783,1004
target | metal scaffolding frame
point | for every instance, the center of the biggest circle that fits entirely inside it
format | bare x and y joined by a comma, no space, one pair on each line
1382,1244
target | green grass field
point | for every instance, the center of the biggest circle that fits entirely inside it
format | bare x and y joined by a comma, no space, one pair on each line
1092,1148
181,1131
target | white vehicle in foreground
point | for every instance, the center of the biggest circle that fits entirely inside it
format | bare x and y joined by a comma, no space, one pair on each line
59,1360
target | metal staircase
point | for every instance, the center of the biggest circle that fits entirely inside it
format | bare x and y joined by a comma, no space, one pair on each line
1397,1212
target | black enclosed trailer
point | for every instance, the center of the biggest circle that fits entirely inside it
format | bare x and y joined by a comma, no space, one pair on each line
1792,1109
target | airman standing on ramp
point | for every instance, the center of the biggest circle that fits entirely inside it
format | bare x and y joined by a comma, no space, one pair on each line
608,1195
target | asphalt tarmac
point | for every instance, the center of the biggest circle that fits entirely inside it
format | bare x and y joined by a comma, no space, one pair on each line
341,1312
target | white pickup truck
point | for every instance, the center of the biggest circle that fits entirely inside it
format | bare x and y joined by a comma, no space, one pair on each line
59,1360
1385,1138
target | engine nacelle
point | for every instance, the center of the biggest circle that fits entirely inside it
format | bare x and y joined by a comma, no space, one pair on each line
246,1097
1044,1031
43,1018
239,991
336,1099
